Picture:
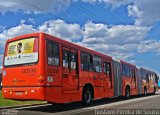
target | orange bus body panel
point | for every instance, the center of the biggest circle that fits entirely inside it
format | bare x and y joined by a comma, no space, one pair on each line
22,82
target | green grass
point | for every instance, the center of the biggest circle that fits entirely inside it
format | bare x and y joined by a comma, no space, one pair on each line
8,102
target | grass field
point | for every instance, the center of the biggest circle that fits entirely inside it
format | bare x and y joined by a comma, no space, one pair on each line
7,102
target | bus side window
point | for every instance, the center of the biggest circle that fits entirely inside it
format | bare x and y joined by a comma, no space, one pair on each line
107,68
53,54
73,60
90,62
151,76
86,61
128,71
97,64
133,74
65,59
104,68
124,70
156,78
144,74
147,77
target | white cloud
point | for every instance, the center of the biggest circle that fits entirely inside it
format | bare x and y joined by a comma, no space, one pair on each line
147,10
61,29
2,28
2,42
17,30
119,34
118,3
31,20
114,3
36,6
134,11
149,46
51,6
22,21
119,41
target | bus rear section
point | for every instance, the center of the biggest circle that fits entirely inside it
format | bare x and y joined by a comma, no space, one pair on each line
149,81
22,78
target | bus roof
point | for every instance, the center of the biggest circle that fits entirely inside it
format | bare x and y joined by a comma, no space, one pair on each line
128,63
24,36
61,41
147,70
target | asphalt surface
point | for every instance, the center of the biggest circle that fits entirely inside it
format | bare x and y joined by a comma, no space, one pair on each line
136,105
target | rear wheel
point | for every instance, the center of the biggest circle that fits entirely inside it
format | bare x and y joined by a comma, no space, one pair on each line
127,93
87,96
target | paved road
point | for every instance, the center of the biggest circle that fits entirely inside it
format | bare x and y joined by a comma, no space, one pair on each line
119,105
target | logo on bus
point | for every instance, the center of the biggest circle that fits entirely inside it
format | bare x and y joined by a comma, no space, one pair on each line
15,81
30,70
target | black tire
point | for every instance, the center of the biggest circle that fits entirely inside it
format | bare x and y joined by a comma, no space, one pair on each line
145,91
87,96
127,93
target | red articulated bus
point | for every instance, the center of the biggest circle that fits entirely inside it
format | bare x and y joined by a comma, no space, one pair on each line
39,66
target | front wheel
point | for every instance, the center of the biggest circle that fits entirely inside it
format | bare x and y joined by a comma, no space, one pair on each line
87,96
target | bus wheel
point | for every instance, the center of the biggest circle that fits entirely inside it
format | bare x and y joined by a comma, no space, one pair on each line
87,96
145,91
127,93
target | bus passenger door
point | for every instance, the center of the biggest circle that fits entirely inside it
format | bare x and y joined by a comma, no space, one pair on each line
107,75
69,69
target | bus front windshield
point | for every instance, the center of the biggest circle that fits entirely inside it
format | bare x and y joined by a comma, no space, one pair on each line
20,52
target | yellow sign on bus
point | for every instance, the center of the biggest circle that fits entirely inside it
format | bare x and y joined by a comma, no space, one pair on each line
21,47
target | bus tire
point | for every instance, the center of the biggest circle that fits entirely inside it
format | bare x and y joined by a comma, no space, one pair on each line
145,91
127,93
87,96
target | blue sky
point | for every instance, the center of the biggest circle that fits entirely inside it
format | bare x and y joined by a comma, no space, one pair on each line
125,29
